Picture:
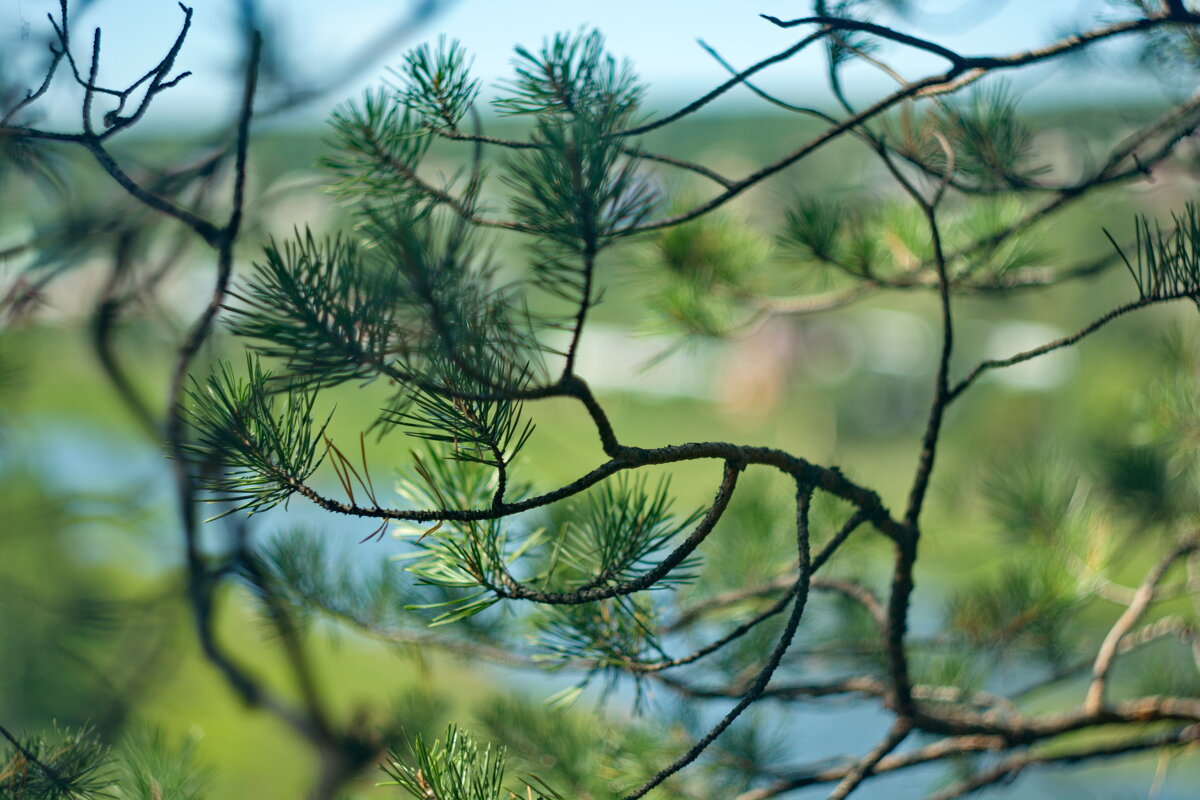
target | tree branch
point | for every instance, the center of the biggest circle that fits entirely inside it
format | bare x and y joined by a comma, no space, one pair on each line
1142,598
803,499
1057,344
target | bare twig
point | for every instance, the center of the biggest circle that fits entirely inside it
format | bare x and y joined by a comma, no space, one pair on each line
866,765
1142,598
1013,766
1057,344
803,500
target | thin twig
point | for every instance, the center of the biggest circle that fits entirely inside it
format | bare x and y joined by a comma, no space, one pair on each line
1058,344
866,765
803,501
1013,766
1142,597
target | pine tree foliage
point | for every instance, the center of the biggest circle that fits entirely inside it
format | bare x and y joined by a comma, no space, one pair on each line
1035,500
557,748
380,140
436,84
576,188
572,76
609,636
322,309
74,765
455,768
153,767
469,556
1169,53
255,444
845,46
992,147
1031,607
1166,264
79,765
816,229
614,533
698,274
860,237
470,559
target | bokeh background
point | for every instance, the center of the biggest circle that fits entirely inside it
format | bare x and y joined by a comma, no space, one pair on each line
92,625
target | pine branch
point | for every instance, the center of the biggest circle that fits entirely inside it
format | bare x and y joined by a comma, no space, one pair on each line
74,768
454,769
437,84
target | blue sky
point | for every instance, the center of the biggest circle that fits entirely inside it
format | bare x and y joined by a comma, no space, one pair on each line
658,35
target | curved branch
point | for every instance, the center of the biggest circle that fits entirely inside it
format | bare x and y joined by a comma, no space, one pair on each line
803,500
867,764
732,636
696,105
1142,598
787,580
828,479
513,590
966,69
1057,344
882,31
